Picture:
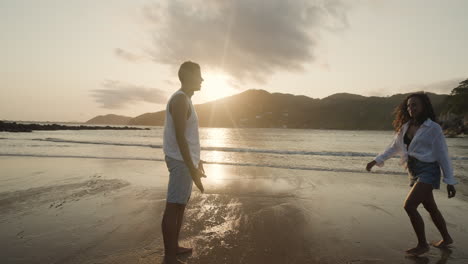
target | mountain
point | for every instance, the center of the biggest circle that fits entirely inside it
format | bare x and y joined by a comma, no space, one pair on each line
259,108
149,119
455,112
109,120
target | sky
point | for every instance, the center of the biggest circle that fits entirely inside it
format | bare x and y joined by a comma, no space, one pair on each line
74,60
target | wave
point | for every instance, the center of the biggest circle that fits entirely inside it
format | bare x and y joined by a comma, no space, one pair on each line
223,149
206,162
239,150
231,149
58,140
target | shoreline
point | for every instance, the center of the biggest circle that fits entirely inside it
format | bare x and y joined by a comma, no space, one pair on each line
448,131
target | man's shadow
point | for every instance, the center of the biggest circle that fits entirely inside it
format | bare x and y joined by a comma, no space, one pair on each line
444,257
183,258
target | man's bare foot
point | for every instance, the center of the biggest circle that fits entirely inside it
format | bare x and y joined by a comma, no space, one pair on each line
418,250
184,250
171,260
443,243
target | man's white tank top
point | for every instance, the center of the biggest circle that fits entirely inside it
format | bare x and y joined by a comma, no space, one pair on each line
170,146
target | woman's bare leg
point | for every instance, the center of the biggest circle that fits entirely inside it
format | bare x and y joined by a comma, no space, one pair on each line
418,194
439,222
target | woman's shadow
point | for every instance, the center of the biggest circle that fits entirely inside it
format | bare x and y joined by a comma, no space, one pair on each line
444,257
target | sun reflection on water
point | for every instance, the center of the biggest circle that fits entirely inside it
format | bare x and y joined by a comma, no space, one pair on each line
215,137
215,174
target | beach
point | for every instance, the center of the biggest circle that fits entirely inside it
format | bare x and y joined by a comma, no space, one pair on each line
305,116
79,210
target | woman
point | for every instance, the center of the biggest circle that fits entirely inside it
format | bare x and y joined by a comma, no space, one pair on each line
420,142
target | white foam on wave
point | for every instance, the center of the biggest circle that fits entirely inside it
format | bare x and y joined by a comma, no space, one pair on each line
224,149
230,149
207,162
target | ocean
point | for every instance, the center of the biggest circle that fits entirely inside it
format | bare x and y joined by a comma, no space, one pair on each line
296,149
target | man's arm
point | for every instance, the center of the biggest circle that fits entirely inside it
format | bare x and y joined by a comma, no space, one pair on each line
179,108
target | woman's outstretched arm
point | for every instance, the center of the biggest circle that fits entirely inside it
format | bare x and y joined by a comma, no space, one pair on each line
390,151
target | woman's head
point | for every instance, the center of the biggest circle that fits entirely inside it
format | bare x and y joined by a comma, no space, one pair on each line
416,107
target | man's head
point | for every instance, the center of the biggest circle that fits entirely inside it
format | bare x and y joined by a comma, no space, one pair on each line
190,76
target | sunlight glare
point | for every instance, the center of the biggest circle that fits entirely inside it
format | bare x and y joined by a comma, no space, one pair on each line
217,85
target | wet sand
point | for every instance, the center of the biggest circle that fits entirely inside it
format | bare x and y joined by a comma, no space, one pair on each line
67,210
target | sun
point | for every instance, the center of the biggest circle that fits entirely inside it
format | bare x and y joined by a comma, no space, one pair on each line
216,85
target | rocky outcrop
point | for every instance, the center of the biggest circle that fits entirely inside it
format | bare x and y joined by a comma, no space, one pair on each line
18,127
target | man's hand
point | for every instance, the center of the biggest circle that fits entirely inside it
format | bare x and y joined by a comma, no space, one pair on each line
197,174
200,167
451,191
370,165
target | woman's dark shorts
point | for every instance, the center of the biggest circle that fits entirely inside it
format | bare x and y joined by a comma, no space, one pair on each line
427,172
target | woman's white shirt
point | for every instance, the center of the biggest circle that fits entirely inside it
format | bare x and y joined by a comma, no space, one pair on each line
427,145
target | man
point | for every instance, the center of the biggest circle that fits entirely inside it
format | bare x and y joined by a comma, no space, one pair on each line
182,151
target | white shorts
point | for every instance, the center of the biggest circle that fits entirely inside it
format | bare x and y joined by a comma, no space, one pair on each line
180,184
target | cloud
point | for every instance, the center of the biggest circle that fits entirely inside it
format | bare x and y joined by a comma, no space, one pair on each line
118,95
438,87
247,39
441,87
126,55
171,83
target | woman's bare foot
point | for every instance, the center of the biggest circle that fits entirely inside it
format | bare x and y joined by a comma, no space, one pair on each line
443,243
420,249
184,250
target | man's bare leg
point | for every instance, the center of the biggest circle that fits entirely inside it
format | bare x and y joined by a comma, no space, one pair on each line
169,230
180,219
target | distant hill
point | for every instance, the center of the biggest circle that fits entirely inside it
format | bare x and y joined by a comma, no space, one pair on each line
455,111
109,120
149,119
259,108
